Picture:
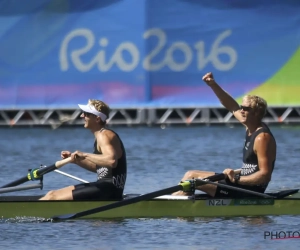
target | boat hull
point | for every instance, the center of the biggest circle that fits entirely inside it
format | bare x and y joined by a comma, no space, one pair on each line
165,206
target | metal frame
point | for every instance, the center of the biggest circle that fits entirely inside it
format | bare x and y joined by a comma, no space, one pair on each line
21,188
141,116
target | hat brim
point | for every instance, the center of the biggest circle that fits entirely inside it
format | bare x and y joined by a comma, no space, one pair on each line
90,109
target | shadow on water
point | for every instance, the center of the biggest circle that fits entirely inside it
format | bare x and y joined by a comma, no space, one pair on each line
252,221
261,220
249,220
92,222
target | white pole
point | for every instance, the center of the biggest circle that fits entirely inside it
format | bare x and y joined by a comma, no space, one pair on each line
71,176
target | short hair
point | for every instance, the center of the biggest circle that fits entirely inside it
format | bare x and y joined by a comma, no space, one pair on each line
100,106
258,104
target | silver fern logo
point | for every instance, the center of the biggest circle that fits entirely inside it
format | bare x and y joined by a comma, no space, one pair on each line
102,172
249,169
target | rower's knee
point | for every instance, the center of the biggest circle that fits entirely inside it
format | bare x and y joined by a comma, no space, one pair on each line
51,195
189,175
196,174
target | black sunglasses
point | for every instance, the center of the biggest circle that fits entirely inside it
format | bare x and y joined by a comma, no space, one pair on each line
86,114
245,108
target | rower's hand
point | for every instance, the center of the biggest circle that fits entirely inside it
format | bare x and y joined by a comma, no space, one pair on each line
209,79
65,154
78,155
230,174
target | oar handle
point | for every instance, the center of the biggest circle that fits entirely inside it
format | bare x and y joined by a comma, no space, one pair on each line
63,162
53,167
238,171
219,177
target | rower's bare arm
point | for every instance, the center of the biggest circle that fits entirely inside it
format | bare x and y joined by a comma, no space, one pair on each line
225,98
78,159
109,145
86,164
265,149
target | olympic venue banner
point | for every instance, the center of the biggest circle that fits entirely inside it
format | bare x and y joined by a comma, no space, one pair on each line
147,53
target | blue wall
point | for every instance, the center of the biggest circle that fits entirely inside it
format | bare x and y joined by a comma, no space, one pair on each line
56,53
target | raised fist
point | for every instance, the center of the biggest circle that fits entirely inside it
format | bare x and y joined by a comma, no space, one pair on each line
208,78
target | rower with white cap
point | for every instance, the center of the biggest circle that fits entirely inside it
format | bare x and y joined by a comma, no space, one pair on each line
108,160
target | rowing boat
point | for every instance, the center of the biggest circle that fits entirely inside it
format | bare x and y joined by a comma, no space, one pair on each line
155,204
287,202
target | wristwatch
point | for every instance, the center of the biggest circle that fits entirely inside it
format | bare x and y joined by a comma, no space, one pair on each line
237,177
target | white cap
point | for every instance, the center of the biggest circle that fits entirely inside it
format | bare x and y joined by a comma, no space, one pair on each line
91,109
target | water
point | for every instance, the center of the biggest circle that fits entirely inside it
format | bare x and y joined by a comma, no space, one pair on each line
157,158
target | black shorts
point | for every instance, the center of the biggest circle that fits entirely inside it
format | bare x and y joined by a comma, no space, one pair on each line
100,190
222,192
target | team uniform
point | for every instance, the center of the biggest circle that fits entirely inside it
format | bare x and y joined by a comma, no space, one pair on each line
110,183
250,166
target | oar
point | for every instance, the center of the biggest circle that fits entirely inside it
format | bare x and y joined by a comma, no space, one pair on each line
39,172
185,186
240,189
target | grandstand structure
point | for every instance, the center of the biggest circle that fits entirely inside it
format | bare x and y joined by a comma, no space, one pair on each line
141,116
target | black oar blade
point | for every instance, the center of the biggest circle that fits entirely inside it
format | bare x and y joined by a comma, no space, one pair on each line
119,203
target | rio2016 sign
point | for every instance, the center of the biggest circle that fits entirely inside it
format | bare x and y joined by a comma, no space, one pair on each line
104,64
148,53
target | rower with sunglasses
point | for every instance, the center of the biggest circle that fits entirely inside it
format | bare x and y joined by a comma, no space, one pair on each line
108,160
259,150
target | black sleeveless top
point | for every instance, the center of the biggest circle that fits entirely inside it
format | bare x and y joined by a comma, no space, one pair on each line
250,161
117,174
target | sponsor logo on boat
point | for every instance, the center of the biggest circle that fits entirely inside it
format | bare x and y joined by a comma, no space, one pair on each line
253,202
223,192
218,202
281,235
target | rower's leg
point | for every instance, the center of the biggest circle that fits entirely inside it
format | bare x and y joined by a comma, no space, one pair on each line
197,174
60,194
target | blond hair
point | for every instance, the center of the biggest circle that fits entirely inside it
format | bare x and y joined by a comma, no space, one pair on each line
258,104
100,106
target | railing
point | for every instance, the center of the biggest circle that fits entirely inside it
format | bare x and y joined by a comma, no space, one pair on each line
141,116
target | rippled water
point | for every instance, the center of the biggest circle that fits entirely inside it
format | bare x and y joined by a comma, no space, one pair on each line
157,158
